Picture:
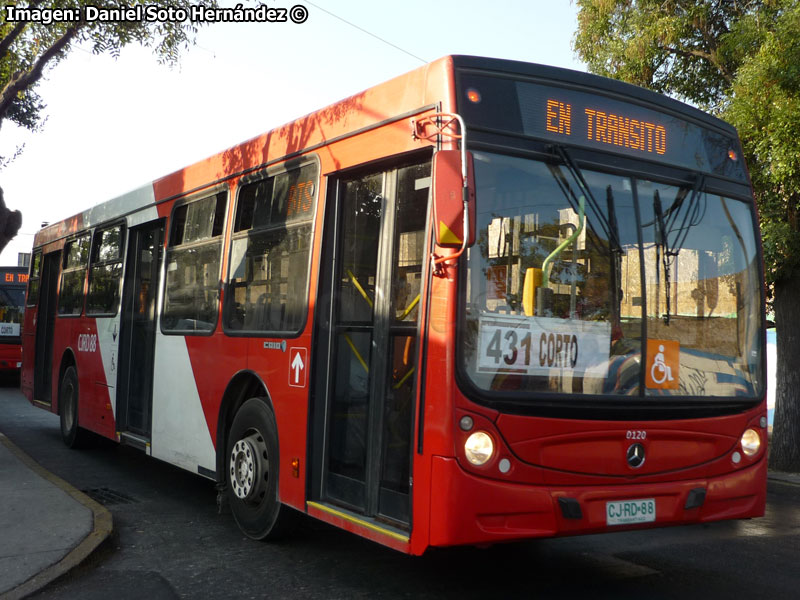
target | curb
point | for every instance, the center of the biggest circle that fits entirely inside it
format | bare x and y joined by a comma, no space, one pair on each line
103,526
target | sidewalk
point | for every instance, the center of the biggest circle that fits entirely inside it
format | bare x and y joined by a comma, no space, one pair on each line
47,527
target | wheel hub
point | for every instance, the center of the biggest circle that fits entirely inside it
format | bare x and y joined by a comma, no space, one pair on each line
249,467
68,408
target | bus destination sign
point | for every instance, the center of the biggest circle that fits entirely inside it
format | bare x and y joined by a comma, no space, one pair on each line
608,128
13,277
590,120
586,117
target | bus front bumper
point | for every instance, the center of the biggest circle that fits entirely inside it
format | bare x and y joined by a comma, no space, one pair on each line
10,358
467,509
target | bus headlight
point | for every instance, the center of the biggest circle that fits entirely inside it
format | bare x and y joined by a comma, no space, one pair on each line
479,448
751,442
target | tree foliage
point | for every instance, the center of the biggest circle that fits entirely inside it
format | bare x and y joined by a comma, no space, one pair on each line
766,110
28,49
741,61
672,47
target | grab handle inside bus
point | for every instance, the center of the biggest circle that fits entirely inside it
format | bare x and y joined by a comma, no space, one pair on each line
544,293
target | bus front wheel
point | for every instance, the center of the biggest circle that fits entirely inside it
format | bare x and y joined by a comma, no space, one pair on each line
252,472
73,435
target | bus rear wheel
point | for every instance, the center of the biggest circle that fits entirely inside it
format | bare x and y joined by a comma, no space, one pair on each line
68,393
252,473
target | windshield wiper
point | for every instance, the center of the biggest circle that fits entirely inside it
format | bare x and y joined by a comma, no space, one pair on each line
616,256
691,214
662,242
611,231
607,222
665,228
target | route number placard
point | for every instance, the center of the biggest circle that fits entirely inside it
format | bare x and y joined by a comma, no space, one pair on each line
542,346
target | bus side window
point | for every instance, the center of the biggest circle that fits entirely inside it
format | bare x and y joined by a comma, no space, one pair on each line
191,299
33,280
105,272
270,253
73,276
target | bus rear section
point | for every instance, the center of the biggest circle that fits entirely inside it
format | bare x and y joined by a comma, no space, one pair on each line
483,301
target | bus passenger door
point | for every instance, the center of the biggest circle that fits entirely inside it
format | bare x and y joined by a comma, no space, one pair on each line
138,329
368,352
45,325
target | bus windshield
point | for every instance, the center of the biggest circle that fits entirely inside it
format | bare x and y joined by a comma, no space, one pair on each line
12,301
599,284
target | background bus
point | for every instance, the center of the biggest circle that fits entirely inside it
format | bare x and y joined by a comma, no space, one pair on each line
13,281
540,316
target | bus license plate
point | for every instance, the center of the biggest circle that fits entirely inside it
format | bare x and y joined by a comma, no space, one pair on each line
626,512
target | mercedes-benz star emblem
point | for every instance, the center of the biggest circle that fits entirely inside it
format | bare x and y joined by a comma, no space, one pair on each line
636,455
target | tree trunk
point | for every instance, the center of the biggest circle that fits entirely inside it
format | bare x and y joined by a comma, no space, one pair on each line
785,450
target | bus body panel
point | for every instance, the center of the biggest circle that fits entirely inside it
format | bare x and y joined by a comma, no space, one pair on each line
86,339
78,345
494,511
288,389
180,432
595,452
146,215
107,331
10,357
597,449
28,343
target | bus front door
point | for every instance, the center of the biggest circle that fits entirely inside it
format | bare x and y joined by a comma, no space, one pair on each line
369,335
138,330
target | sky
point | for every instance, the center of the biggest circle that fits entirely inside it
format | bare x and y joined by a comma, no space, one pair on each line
116,124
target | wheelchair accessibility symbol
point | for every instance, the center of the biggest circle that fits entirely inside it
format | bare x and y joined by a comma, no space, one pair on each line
663,362
660,372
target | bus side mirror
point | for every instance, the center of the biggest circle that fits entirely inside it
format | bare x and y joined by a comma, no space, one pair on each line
449,198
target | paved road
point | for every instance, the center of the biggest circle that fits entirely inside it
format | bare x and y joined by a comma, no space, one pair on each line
169,542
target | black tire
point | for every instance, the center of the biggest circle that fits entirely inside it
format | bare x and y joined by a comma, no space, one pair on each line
251,467
68,394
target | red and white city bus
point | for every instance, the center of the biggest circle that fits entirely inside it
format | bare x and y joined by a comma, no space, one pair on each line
484,301
13,281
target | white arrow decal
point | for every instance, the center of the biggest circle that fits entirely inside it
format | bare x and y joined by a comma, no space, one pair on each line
297,365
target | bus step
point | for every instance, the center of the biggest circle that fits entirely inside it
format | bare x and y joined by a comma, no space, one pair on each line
137,441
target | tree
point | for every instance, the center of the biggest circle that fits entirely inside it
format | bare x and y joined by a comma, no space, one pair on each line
34,41
741,61
34,37
10,222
